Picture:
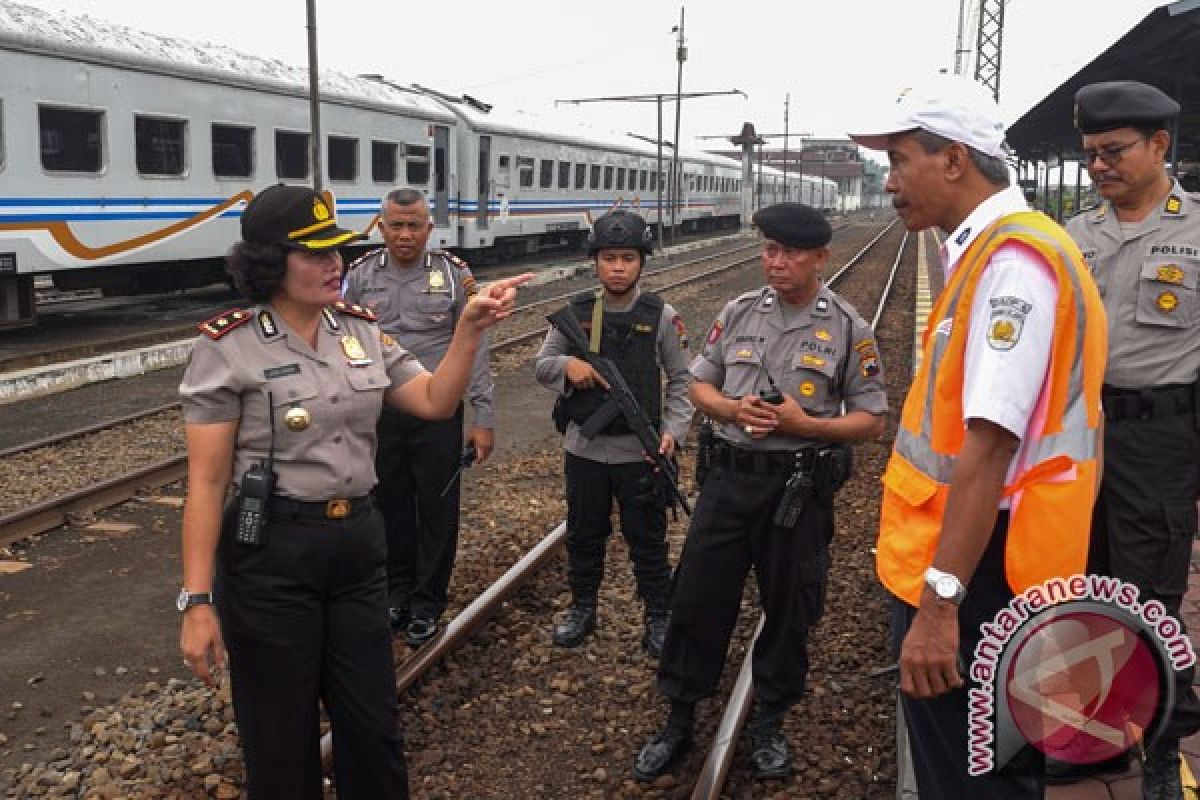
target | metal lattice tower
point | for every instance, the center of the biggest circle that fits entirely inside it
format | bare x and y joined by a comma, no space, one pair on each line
988,45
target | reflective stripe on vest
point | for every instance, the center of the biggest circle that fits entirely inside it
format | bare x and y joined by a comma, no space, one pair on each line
1062,456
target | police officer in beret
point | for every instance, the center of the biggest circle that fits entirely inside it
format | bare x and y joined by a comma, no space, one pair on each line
646,339
1142,244
280,401
778,364
418,294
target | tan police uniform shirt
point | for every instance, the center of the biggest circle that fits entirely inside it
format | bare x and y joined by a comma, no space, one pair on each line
821,355
340,385
1147,275
550,369
419,306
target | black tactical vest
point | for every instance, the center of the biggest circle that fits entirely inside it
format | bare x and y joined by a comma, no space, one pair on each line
630,340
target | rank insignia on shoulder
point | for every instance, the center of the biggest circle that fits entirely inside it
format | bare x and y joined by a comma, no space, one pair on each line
1174,204
266,324
355,310
822,304
364,258
223,323
453,259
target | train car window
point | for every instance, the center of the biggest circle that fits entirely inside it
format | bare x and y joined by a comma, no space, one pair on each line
564,174
642,180
1,133
291,155
232,151
620,177
595,178
546,174
71,140
416,164
525,171
503,171
580,175
160,145
608,177
383,161
654,181
342,157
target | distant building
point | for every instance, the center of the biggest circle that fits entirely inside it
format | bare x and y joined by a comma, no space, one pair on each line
860,183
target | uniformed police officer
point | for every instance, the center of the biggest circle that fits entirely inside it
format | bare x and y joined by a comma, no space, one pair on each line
1142,244
281,401
777,366
418,294
642,335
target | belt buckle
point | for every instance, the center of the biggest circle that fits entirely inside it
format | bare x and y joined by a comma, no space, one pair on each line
337,508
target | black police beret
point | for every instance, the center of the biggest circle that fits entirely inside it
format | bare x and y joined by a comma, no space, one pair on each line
296,217
1110,105
794,224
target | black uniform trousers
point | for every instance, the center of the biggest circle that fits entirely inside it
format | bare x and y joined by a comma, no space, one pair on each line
1145,522
304,617
937,728
415,461
591,487
731,531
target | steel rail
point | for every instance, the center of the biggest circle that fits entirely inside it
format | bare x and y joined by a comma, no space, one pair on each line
720,756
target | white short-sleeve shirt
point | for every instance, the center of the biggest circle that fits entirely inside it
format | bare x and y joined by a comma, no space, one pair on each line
1012,326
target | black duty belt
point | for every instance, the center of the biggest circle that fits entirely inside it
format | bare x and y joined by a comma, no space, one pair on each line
338,508
762,462
1150,403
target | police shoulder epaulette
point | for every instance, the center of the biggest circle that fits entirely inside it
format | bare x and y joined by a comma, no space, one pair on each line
753,294
355,310
850,311
453,259
1085,210
224,322
364,258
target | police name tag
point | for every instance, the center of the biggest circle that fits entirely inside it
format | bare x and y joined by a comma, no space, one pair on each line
282,371
1006,322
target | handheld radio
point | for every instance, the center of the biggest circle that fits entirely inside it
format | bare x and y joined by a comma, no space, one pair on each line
255,490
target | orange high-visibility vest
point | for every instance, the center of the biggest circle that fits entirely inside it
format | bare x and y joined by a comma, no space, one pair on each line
1053,491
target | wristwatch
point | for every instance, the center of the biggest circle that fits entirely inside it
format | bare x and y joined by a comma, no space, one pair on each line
945,585
187,599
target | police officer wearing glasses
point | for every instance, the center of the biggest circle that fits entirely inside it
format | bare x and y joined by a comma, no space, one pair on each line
777,367
287,578
1142,244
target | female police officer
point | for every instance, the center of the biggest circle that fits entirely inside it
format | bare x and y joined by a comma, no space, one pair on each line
282,399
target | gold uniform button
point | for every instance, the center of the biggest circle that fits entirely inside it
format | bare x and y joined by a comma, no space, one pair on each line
297,419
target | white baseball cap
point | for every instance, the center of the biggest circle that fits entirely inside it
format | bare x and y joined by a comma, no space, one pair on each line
948,105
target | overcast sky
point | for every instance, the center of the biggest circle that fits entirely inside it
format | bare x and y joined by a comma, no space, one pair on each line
838,60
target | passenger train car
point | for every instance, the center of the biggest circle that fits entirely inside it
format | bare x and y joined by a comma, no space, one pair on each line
126,159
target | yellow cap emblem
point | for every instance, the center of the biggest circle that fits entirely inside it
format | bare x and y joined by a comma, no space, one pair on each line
1003,330
1167,301
320,211
808,389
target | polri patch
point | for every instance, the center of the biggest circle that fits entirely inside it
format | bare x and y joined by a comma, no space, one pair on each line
282,371
677,321
714,332
1007,321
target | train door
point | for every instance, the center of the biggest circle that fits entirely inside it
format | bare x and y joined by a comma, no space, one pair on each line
441,181
485,181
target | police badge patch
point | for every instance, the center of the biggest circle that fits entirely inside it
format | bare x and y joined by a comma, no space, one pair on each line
1006,322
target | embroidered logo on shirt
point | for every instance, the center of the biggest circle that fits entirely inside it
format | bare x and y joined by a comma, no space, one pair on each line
1167,301
1169,273
1007,321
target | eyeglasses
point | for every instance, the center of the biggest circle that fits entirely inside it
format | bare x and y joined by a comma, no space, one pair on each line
1109,154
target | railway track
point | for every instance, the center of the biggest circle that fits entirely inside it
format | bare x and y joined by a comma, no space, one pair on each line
49,513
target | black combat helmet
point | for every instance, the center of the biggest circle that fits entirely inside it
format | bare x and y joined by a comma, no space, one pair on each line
621,229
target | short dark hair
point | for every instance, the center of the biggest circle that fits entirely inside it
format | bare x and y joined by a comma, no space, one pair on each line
257,269
993,169
404,197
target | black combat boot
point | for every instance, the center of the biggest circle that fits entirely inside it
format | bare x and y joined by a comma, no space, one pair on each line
768,746
1160,772
668,745
576,625
656,632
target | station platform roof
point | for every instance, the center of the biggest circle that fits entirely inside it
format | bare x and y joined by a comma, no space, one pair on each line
1162,50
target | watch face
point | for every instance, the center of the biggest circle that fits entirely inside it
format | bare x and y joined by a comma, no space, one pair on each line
946,588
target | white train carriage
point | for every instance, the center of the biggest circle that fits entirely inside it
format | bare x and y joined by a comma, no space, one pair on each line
531,183
126,158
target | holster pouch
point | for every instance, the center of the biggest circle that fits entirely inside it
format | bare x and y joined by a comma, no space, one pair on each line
834,466
559,414
796,494
706,443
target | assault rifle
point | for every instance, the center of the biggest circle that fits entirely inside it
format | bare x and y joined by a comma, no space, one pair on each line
621,402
